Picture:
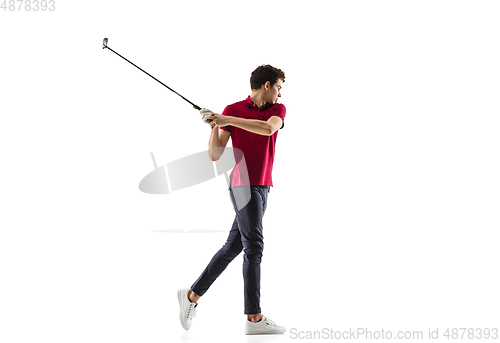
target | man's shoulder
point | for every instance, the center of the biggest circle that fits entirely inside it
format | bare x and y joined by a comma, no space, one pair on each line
243,104
279,106
234,108
237,104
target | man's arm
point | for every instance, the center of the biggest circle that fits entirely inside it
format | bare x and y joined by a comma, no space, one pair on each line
265,128
217,142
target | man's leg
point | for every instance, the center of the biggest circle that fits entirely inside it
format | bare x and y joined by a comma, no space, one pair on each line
193,297
188,298
249,220
219,262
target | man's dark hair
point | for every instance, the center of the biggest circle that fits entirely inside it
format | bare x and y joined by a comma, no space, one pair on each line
266,73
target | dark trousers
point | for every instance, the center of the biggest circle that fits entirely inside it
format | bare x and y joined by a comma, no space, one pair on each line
246,234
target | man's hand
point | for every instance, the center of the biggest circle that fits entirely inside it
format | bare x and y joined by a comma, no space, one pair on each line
219,120
215,120
205,115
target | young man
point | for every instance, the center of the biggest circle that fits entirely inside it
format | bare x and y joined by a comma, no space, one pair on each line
253,126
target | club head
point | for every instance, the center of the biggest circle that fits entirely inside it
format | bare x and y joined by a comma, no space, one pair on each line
104,43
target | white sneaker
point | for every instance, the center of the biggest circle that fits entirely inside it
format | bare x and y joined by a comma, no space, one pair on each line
262,327
187,309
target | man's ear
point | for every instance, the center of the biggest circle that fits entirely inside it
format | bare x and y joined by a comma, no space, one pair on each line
267,85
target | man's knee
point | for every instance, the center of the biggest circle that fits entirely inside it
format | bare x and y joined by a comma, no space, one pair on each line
254,252
231,251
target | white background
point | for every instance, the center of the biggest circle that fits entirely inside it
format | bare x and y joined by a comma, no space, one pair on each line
384,211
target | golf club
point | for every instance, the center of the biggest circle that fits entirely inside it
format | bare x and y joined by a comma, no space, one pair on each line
105,46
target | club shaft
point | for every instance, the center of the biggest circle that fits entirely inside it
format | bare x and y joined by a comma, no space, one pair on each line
195,106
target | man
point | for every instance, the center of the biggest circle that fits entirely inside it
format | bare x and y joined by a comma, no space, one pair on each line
253,126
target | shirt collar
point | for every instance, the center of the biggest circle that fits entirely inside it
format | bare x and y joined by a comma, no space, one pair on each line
252,104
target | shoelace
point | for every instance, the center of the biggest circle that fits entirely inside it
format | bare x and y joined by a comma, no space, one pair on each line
191,313
269,321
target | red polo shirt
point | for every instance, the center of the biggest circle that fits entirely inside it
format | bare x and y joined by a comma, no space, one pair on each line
258,150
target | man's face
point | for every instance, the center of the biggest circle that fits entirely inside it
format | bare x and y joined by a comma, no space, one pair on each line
273,93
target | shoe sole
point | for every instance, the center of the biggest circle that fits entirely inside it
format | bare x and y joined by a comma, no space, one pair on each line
179,297
249,332
265,333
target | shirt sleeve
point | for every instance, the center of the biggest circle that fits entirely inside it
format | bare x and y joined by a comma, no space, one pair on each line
225,113
280,111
